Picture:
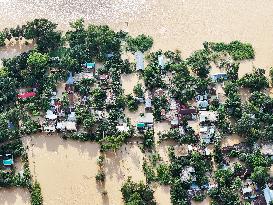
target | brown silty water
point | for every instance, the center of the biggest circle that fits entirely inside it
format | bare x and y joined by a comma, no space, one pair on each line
176,24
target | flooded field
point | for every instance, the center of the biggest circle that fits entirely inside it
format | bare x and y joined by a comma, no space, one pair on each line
66,170
14,196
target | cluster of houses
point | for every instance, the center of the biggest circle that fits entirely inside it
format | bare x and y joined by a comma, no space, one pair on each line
250,191
63,118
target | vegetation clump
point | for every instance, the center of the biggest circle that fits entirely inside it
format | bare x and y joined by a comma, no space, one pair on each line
137,193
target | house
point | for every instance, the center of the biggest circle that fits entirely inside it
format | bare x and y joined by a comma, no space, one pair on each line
70,126
218,76
71,117
206,133
139,56
187,174
161,61
249,190
60,126
202,104
260,200
184,111
145,121
123,127
50,115
110,96
83,75
174,122
109,55
84,100
7,162
103,77
207,116
26,95
89,67
49,127
69,83
268,195
10,125
148,103
201,97
173,104
267,149
159,92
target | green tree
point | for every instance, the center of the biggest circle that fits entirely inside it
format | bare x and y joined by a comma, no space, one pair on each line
260,175
44,33
7,92
255,81
132,103
135,193
152,78
101,40
199,62
36,195
138,91
2,39
148,141
163,174
140,43
37,67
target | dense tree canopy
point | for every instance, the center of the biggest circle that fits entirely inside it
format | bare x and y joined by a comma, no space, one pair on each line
44,33
140,43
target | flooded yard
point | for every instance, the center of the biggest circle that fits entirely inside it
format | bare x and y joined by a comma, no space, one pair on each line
134,116
162,195
129,81
66,170
14,196
231,140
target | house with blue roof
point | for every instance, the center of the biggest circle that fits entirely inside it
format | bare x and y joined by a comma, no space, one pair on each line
218,77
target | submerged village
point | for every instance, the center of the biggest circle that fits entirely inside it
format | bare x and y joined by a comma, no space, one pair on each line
154,128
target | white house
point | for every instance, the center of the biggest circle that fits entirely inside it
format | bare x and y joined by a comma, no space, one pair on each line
139,56
161,61
268,195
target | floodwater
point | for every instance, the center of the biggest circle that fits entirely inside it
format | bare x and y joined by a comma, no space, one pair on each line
231,140
66,170
14,196
179,24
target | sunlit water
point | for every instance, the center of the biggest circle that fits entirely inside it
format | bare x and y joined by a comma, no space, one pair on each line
176,24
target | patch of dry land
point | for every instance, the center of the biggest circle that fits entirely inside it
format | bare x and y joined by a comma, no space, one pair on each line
14,196
66,170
